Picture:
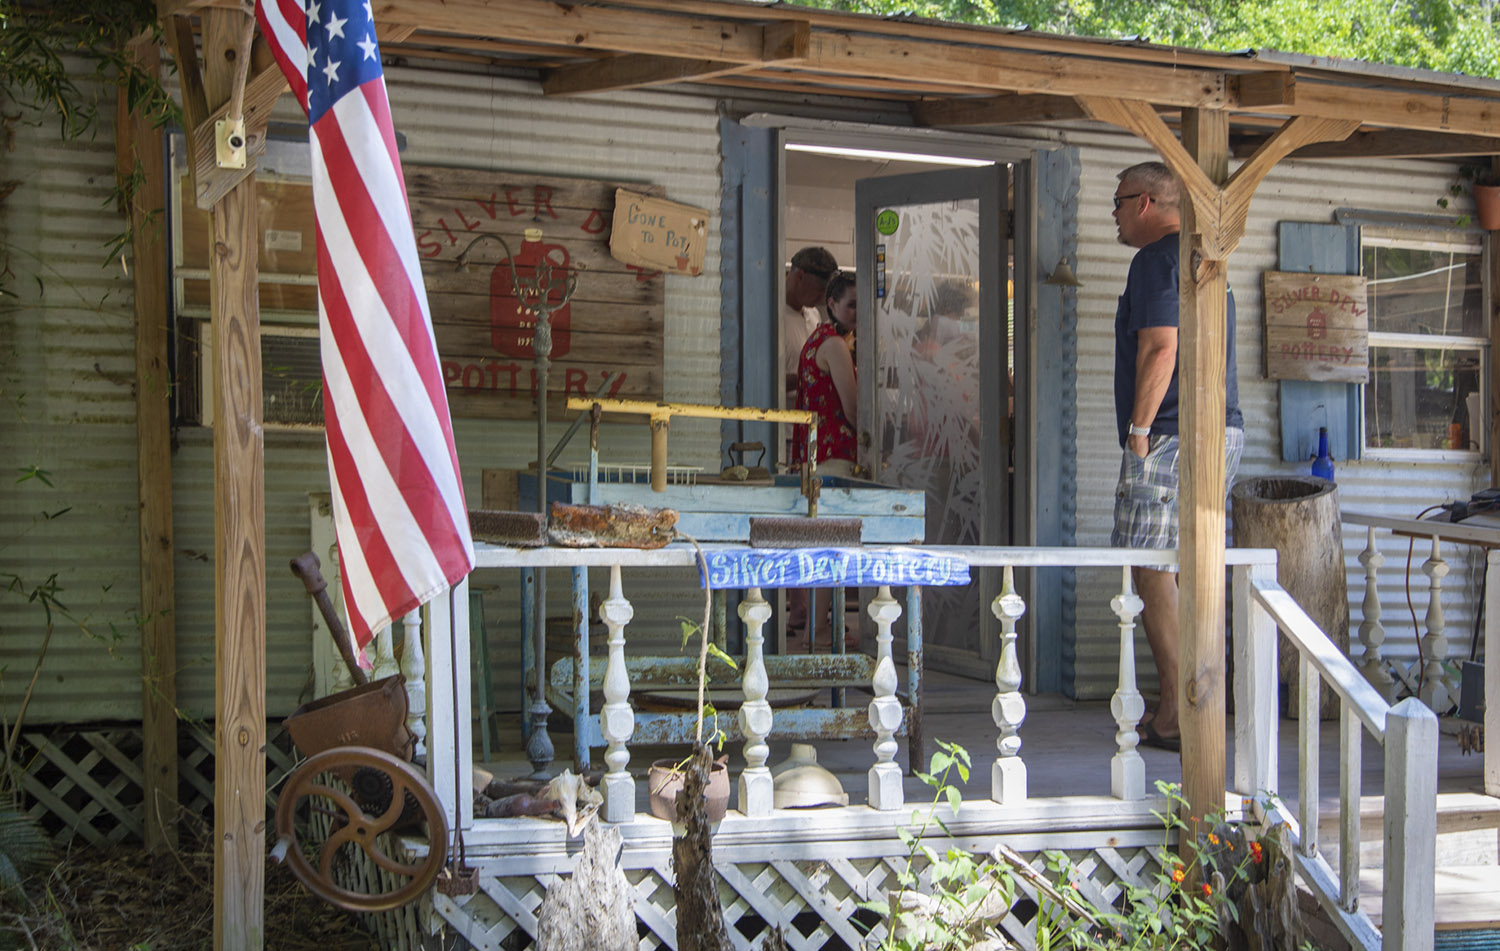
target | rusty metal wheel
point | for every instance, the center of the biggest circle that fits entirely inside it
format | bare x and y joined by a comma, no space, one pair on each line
317,797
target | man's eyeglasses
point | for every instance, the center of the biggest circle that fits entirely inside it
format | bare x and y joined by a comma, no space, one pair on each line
1119,199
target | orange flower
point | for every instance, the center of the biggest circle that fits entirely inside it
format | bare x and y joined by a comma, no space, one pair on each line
1213,839
1208,890
1178,874
1256,852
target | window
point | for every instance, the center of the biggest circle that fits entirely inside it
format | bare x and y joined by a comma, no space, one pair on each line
1429,344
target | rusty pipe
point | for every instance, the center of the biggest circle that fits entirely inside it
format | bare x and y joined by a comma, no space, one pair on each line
307,567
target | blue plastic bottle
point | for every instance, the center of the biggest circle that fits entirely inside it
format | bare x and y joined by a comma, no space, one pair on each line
1322,466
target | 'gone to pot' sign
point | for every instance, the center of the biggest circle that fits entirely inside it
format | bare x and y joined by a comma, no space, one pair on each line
1317,327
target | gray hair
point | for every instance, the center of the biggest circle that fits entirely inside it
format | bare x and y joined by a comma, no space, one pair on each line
1155,179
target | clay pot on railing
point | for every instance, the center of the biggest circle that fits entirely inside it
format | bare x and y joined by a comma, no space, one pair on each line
665,779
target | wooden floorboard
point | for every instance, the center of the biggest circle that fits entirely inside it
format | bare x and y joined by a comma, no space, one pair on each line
1467,897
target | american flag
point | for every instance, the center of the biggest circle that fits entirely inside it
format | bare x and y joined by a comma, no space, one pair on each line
398,504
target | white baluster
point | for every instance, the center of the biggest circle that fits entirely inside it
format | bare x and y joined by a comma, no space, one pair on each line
885,709
414,669
1435,644
1127,771
1371,631
756,791
384,659
1008,775
616,719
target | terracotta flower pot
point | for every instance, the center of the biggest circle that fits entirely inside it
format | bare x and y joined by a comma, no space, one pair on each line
665,778
1487,206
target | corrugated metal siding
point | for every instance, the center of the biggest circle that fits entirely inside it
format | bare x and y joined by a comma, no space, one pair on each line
1296,191
67,359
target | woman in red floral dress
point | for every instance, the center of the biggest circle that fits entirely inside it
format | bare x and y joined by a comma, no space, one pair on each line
825,383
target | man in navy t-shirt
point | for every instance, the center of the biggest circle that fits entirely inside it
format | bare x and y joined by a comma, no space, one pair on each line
1146,214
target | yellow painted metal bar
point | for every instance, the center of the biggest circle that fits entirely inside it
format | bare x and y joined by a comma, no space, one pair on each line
699,410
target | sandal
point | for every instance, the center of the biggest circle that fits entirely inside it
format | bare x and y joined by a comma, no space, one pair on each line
1149,737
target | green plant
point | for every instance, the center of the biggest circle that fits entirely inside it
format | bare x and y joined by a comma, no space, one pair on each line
1228,882
1464,180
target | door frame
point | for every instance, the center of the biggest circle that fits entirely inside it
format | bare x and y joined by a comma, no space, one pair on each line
988,185
1045,174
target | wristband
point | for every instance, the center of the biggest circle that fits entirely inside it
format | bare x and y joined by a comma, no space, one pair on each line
1139,430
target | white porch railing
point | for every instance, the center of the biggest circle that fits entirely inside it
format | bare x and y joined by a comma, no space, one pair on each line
1407,731
1433,679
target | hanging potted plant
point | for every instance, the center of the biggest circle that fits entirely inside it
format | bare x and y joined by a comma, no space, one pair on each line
1484,184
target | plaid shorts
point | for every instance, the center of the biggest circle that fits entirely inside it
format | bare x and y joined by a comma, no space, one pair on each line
1146,495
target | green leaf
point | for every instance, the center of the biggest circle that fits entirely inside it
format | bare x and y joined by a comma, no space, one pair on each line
716,651
955,798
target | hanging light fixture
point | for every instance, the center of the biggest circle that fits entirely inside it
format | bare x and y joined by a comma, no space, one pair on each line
1063,276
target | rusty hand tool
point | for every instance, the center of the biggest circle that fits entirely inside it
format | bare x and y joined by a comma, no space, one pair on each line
307,567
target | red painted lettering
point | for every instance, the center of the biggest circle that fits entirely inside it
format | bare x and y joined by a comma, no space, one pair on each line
541,200
574,381
488,207
451,371
468,225
474,372
447,231
510,201
430,247
614,389
596,222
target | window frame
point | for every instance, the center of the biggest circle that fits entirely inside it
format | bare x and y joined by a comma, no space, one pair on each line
1424,240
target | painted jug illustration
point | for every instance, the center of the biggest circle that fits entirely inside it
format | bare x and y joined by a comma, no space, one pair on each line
512,322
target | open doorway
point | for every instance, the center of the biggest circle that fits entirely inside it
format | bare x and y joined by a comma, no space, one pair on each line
929,238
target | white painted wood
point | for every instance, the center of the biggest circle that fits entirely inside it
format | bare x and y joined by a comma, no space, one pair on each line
1256,702
757,795
616,718
1309,711
1314,646
1435,644
1492,673
1008,773
414,670
885,710
382,651
1371,631
450,738
1473,531
1410,826
1127,771
1351,739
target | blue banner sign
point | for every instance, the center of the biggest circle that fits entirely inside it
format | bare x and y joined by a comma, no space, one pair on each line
830,567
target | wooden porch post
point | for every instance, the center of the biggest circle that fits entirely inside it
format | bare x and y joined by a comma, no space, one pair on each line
139,145
1200,499
239,532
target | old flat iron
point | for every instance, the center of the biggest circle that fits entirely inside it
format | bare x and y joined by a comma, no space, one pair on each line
738,471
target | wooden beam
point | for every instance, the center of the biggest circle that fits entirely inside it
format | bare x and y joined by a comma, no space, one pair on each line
1234,210
140,150
632,71
785,42
1260,90
1401,110
1200,499
1007,109
698,37
1140,118
1398,143
239,539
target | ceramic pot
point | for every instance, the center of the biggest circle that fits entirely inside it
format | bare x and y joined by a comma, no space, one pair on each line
1487,206
664,780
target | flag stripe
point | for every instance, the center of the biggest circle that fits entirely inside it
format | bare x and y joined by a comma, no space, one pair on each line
414,424
284,24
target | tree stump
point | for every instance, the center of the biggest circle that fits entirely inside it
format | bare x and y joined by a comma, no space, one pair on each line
700,916
1299,517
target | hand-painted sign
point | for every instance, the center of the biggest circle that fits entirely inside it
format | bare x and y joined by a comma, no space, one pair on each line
465,220
654,232
1317,327
830,567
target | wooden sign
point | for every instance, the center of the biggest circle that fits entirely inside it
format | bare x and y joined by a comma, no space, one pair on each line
609,333
1317,327
653,232
828,567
